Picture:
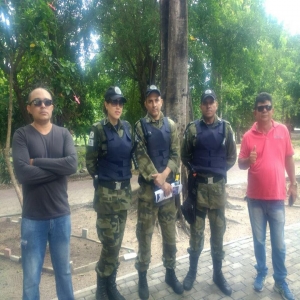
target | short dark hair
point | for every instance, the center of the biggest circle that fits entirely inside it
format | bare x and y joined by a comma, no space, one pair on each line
262,97
40,86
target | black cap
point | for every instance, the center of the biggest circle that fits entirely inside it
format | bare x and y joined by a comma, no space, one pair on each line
208,93
152,88
114,93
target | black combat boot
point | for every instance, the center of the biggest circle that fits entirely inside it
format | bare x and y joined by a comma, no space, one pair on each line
112,291
143,286
101,288
191,275
173,282
219,279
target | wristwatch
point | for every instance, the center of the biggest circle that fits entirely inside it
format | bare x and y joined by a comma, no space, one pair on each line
294,184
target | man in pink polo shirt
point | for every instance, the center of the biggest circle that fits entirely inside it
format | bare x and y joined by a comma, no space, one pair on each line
266,151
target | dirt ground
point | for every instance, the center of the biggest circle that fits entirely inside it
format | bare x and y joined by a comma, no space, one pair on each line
86,251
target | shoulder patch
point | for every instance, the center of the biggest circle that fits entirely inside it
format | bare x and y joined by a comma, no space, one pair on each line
169,120
187,128
188,125
91,142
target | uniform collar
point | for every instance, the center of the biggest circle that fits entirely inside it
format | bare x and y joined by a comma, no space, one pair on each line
107,123
149,119
217,120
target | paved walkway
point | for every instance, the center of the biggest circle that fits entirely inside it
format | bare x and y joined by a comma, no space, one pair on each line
238,270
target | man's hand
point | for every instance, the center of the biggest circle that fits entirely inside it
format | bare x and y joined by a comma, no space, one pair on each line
167,188
159,179
253,156
293,192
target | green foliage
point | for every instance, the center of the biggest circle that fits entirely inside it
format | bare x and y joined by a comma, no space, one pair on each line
234,48
130,49
81,157
238,51
4,175
43,43
3,109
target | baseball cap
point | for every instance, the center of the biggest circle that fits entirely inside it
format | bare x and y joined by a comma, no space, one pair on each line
152,88
208,93
114,93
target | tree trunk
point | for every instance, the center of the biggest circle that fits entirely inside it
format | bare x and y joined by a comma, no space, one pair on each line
7,148
174,62
174,59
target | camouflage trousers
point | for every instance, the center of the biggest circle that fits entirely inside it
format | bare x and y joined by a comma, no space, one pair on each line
110,230
148,212
210,202
217,225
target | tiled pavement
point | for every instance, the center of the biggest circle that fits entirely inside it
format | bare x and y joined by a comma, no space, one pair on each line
237,268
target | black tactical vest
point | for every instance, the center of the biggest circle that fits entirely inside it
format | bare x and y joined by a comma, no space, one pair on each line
116,164
209,154
158,143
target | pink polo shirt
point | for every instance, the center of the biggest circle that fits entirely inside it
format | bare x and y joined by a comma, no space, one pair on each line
266,178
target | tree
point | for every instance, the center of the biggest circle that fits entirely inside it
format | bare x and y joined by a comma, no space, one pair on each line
174,63
174,60
32,52
225,54
129,32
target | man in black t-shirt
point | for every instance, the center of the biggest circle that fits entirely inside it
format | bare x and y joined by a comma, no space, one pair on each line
43,156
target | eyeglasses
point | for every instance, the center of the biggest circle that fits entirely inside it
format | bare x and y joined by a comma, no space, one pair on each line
39,102
263,107
116,102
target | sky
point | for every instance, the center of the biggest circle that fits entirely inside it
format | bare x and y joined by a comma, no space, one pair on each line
286,11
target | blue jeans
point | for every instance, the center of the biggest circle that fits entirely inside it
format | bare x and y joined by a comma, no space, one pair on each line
34,237
273,212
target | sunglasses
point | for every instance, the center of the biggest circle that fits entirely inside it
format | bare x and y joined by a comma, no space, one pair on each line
39,102
263,107
116,102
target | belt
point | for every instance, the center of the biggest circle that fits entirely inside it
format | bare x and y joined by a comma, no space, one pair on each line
115,185
208,180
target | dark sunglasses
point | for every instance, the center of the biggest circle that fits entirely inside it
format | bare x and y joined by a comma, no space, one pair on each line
116,102
38,102
263,107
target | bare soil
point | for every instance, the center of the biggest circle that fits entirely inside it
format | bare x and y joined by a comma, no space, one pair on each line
87,251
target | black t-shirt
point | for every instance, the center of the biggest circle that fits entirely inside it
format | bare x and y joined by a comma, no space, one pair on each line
44,184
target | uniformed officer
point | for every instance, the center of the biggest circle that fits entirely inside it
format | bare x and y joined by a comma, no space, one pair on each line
208,149
157,153
108,160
